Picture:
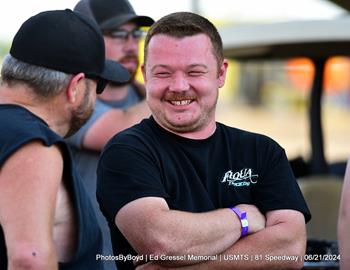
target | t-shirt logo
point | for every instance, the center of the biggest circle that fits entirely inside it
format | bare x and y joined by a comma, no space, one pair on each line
244,177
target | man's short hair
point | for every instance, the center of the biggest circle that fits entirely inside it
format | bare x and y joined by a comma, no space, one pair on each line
184,24
44,82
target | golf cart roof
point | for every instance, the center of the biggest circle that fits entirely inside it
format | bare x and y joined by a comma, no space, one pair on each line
317,40
314,39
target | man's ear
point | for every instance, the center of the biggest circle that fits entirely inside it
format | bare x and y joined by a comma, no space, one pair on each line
72,87
222,73
143,70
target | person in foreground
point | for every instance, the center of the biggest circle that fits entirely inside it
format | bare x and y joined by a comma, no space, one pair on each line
49,82
184,191
344,222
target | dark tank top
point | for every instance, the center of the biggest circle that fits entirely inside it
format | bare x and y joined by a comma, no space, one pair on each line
19,126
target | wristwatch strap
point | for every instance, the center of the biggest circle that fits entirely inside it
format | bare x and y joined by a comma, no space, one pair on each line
243,218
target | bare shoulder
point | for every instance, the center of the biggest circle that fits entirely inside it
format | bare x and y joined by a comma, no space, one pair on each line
32,160
34,155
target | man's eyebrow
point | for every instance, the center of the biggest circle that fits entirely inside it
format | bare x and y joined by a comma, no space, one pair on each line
189,67
198,65
159,66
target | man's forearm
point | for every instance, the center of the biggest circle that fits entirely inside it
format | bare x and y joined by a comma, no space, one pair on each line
179,233
112,122
281,246
191,237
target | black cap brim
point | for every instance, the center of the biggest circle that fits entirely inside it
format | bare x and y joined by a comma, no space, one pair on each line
115,72
121,19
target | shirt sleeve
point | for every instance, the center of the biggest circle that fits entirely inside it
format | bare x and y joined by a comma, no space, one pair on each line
124,174
279,188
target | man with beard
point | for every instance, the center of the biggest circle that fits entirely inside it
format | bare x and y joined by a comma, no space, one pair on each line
48,87
184,191
120,105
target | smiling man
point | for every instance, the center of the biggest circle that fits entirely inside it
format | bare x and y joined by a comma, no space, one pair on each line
184,191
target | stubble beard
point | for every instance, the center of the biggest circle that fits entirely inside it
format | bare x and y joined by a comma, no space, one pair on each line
190,126
80,115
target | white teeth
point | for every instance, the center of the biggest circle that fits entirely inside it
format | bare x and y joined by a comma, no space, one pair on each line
181,102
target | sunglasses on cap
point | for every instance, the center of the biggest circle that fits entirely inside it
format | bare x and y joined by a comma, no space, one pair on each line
101,83
123,34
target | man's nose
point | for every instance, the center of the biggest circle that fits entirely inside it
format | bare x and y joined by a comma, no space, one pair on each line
131,44
179,82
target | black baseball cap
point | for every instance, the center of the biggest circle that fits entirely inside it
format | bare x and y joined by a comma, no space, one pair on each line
110,14
66,41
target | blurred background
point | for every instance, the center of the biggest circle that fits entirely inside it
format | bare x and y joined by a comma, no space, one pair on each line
288,78
269,96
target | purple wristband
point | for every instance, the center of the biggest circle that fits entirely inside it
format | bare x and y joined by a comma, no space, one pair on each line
243,218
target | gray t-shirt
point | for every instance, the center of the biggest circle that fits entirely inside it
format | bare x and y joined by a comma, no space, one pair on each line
86,162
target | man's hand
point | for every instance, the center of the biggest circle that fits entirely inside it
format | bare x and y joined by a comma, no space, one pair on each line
256,220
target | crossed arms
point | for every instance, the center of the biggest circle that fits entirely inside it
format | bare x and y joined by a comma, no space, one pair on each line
152,228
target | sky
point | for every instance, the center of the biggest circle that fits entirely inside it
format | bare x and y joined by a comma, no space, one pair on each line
14,12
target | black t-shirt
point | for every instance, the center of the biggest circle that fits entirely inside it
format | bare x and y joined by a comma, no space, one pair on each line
228,168
19,126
